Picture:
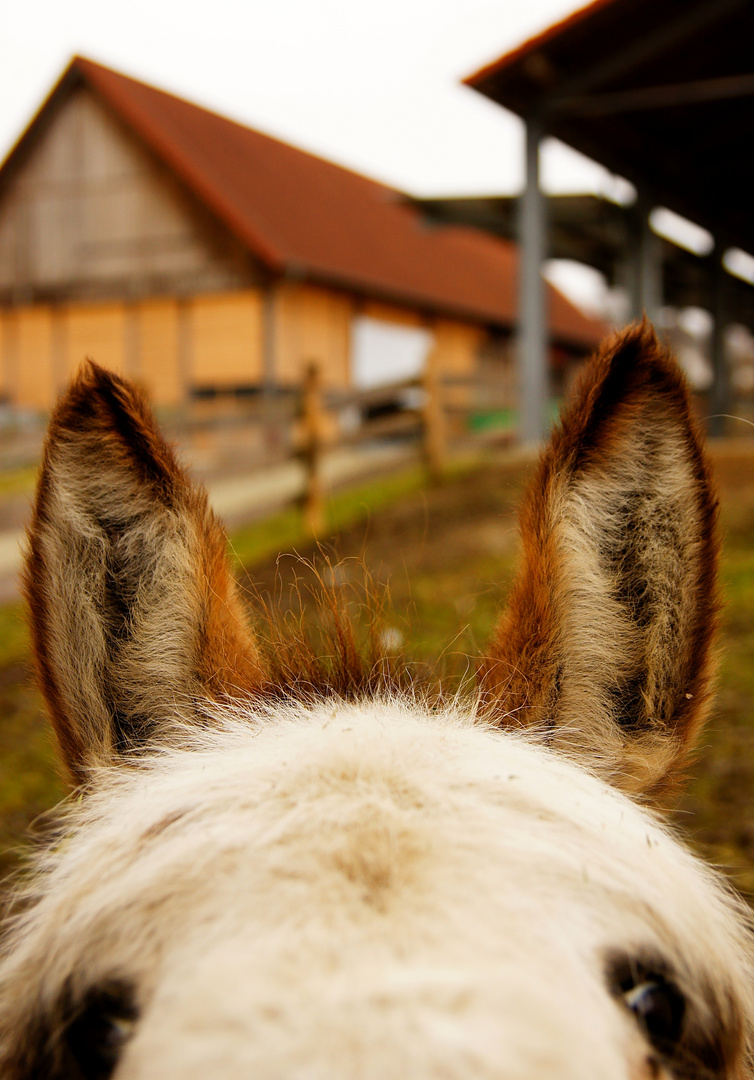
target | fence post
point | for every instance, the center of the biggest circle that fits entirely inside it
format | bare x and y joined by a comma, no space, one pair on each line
433,420
313,439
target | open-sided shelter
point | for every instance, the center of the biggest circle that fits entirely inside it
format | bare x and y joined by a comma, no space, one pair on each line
660,93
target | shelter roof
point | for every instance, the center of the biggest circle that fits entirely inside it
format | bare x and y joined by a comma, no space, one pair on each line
661,93
595,231
306,217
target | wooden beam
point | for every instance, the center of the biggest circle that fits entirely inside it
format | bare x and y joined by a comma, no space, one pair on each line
640,49
660,97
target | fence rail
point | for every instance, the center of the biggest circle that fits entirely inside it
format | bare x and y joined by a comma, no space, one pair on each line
225,435
431,411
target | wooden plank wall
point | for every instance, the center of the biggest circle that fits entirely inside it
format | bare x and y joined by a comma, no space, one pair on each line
311,324
456,355
216,341
457,347
90,210
162,370
170,346
95,331
28,355
226,335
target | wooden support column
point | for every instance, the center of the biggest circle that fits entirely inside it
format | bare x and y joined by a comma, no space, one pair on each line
269,330
59,367
185,345
275,419
533,331
11,359
132,349
313,444
434,450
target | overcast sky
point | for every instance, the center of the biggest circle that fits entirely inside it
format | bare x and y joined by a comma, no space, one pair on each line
373,85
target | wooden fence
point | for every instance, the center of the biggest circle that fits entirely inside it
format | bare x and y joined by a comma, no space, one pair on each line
431,412
228,435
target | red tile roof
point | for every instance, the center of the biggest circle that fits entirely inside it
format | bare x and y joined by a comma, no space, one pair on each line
300,214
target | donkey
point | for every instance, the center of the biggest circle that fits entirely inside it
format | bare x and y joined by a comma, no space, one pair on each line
287,872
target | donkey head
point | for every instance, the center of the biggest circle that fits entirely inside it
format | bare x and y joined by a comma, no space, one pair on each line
257,879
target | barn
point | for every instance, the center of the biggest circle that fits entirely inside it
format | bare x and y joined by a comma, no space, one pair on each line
201,257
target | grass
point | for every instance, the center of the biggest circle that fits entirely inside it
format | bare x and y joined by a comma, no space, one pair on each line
18,481
285,531
719,801
14,636
391,524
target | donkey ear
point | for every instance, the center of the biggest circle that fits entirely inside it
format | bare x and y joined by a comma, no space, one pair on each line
133,612
606,643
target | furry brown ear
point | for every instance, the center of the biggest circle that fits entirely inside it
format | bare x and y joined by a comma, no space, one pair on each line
133,612
607,640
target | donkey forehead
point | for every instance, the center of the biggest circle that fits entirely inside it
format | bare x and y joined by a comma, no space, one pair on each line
376,816
369,891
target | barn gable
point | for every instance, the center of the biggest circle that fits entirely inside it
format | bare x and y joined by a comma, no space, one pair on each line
89,213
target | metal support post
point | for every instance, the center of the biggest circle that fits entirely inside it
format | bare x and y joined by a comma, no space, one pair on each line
650,263
631,263
533,330
719,399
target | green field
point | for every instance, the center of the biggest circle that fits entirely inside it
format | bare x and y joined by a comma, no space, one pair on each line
446,555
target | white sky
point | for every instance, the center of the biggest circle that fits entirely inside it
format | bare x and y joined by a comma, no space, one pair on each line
373,85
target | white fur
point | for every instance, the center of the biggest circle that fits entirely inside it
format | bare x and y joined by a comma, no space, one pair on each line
373,892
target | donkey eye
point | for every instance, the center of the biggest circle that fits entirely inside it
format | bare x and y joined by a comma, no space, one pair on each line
97,1034
659,1008
651,995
